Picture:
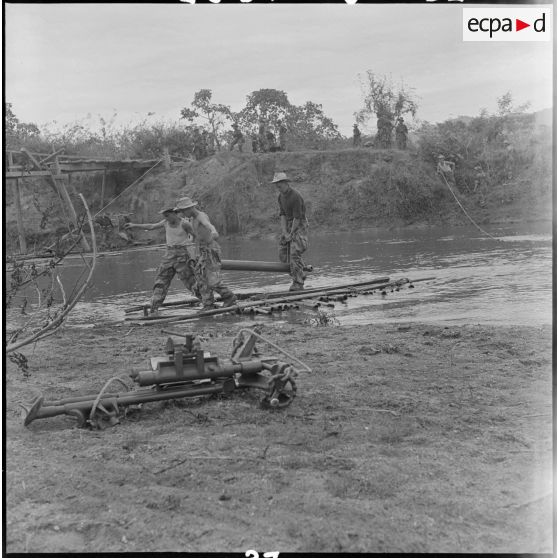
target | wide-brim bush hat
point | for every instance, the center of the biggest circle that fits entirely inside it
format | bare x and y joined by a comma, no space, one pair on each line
280,177
167,210
185,203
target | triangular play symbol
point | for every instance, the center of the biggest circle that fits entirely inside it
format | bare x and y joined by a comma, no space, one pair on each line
519,25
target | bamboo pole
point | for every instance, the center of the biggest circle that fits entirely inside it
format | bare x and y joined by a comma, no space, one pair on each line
149,320
269,296
30,156
288,299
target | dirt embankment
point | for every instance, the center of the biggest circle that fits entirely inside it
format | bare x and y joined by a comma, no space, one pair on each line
348,189
407,438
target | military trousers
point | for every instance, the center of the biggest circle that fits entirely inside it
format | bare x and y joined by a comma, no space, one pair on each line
208,275
291,253
176,261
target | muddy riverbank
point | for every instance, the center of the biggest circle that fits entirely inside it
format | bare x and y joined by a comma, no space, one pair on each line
404,437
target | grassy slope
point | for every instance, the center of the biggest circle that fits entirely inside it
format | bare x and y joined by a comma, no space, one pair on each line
349,188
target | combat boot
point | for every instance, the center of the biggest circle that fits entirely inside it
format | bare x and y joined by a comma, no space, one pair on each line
230,301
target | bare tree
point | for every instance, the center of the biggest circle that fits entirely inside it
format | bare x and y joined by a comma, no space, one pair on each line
45,317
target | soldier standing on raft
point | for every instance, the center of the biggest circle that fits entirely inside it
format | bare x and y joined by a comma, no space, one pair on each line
208,266
294,229
179,256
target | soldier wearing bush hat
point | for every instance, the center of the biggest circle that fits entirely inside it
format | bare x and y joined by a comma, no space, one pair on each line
178,258
208,264
238,137
293,241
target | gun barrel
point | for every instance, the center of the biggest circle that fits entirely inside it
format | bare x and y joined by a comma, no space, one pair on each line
84,405
168,372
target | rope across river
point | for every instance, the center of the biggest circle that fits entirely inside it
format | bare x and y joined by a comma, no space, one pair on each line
465,211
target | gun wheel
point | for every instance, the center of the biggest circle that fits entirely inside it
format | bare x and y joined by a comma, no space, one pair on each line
101,417
281,397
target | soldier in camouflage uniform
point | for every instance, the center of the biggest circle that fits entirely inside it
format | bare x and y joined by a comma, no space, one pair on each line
401,132
179,257
208,265
357,141
294,229
282,136
238,138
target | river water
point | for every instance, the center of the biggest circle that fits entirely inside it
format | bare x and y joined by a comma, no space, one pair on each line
476,279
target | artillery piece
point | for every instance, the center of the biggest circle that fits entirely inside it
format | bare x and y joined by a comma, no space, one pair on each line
185,371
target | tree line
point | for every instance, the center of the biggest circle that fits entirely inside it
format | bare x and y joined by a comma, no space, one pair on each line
307,125
488,148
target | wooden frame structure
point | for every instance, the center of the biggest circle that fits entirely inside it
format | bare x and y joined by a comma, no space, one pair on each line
59,168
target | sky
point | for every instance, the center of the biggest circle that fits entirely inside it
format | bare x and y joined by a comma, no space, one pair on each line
69,62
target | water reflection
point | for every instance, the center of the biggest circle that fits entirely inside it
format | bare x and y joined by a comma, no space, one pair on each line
477,279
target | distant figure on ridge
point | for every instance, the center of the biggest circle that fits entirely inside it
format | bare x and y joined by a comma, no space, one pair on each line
401,132
480,178
356,136
445,169
282,136
197,141
238,137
